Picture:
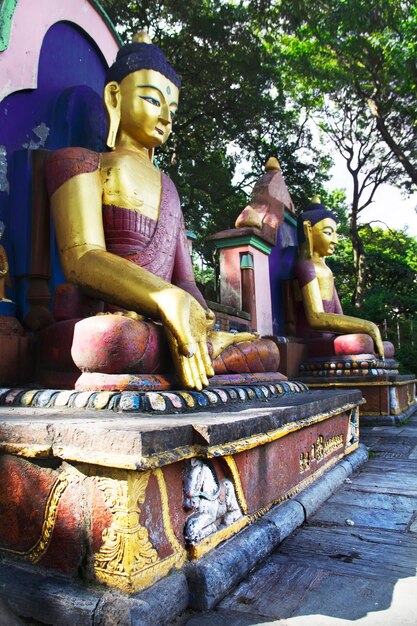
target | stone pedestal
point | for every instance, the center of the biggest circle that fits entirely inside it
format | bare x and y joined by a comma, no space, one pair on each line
100,496
389,398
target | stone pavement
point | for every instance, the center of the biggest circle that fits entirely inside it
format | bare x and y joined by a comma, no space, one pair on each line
353,562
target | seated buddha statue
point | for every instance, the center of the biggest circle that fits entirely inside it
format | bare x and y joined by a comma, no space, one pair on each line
121,238
320,317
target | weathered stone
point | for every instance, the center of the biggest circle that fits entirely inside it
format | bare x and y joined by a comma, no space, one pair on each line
314,496
167,599
286,517
213,576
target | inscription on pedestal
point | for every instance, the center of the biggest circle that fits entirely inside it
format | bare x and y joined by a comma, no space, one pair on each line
321,449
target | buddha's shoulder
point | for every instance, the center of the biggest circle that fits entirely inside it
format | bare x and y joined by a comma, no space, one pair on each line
74,155
66,163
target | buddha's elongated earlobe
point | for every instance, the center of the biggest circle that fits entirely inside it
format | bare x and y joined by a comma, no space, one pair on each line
151,152
112,106
308,244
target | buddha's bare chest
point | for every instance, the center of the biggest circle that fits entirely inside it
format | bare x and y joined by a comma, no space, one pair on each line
131,183
325,279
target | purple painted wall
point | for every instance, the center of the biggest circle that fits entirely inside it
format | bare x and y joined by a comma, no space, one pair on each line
64,110
281,268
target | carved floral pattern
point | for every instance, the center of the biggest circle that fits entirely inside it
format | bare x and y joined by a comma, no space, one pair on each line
126,547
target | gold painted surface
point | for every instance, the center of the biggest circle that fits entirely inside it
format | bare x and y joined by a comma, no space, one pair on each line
127,559
126,548
231,463
320,449
175,544
352,448
29,451
38,550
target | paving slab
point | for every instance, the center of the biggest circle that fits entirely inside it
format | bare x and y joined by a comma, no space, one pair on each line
358,516
385,502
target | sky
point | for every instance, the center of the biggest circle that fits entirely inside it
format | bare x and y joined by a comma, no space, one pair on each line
389,205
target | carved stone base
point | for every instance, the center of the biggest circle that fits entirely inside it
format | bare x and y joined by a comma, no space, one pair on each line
102,496
389,399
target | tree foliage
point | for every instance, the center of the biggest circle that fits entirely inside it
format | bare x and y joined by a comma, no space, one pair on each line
367,47
391,292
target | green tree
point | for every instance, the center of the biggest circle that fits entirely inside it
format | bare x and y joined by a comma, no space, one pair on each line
391,293
370,164
367,47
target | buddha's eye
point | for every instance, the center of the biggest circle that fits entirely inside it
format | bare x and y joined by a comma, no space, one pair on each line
151,100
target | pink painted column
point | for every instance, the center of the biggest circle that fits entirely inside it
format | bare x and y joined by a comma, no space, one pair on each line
235,247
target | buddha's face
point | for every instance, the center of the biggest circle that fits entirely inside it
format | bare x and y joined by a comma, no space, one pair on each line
324,235
148,104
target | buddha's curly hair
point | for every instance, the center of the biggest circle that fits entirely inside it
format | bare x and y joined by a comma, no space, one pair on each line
141,56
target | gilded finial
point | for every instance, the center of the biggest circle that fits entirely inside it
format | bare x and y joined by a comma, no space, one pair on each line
316,200
141,37
272,164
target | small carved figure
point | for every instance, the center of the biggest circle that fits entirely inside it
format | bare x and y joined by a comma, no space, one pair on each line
214,502
4,268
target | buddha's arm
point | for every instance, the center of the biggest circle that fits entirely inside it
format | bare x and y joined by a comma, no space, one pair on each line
77,211
335,322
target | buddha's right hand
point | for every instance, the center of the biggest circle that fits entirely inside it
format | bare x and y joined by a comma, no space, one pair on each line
379,344
185,324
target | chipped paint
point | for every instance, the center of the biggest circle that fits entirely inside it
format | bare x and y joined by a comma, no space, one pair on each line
41,131
4,183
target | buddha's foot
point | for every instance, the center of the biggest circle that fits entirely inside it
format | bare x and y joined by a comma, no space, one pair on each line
259,355
220,340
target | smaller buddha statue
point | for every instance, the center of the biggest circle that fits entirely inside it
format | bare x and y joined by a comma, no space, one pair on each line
319,313
4,268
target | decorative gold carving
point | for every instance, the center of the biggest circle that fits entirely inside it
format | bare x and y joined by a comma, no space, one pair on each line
126,548
231,463
37,551
320,450
127,559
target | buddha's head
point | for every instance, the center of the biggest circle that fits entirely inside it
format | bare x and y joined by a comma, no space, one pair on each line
141,96
317,230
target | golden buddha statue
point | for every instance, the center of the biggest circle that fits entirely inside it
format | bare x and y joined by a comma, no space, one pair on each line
119,224
319,311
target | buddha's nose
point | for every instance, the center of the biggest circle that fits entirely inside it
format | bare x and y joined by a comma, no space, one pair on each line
165,115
